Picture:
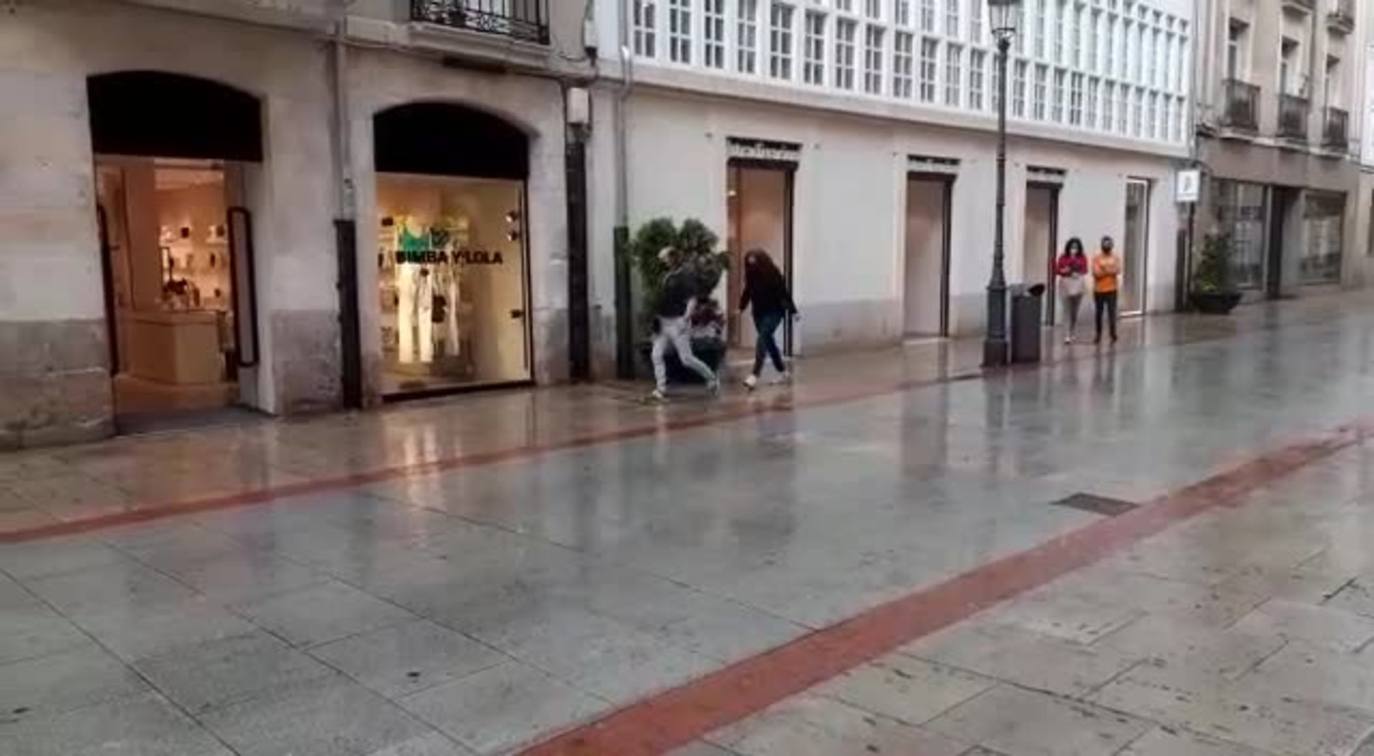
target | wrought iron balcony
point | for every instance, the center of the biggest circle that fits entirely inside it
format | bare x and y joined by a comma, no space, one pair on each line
1342,16
1293,117
1336,129
1242,106
525,20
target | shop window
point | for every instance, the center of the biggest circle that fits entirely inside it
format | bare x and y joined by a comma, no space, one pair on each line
1324,218
1240,213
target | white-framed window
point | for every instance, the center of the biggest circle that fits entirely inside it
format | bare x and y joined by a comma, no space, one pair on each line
873,59
1181,121
1061,30
1041,95
713,33
1140,53
873,9
996,91
846,30
747,37
977,66
1109,49
1018,89
646,28
1094,38
1151,52
1108,106
952,19
975,22
901,12
845,5
1123,108
813,49
930,51
680,31
780,41
1073,95
1137,113
927,16
1090,103
1076,37
903,64
1019,40
1038,9
1151,117
954,73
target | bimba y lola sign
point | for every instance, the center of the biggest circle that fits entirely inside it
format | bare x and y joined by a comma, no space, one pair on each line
444,256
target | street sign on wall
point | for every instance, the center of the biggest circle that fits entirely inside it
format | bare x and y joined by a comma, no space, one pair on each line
1188,186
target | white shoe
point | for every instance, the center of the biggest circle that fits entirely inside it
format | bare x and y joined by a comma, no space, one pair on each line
657,395
713,388
1068,339
781,379
751,382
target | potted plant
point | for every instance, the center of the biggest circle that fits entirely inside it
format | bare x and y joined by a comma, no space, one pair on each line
1213,292
695,245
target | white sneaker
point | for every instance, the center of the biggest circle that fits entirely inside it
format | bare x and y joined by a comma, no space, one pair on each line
657,395
781,379
1068,339
751,382
713,388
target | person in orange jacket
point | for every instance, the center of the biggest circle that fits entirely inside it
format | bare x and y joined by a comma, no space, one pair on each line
1106,281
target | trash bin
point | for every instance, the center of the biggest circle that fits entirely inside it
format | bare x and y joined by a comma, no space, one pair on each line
1026,316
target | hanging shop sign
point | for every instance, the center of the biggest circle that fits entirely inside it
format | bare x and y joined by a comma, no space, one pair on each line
444,256
762,149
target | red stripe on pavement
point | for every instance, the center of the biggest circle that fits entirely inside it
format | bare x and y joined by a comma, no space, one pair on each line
677,717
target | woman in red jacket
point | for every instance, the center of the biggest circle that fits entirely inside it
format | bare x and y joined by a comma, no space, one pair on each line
1072,270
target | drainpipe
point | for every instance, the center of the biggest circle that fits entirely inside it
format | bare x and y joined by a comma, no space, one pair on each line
624,304
345,222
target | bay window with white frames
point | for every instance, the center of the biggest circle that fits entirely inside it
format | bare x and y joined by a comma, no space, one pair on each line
713,33
873,59
930,51
977,65
1088,66
680,31
780,41
747,37
846,32
903,65
954,73
813,49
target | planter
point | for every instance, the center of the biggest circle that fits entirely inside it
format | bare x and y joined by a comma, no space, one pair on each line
1215,302
709,351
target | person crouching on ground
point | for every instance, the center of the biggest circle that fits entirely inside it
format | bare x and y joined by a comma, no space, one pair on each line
1072,268
1106,282
766,290
673,319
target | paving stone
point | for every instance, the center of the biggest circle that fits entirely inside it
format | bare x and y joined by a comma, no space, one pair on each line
499,708
322,613
904,688
141,725
222,672
403,659
1169,741
1341,630
816,726
61,682
1023,722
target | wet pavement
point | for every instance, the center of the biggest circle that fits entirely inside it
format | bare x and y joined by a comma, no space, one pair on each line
481,574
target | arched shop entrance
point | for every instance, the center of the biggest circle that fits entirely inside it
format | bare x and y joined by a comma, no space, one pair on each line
452,250
172,157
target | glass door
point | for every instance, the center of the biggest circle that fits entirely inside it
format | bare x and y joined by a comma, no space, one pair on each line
1135,247
760,217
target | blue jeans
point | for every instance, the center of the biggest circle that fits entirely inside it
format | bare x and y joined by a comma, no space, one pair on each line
766,324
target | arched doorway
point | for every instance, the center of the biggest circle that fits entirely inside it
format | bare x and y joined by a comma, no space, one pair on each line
171,157
452,249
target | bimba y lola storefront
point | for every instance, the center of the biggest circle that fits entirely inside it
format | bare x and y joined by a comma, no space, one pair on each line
452,268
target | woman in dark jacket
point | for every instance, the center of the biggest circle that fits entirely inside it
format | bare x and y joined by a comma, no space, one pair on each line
765,289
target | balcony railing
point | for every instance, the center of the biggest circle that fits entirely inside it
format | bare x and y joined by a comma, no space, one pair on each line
1242,106
1336,129
1301,4
1293,117
525,20
1342,16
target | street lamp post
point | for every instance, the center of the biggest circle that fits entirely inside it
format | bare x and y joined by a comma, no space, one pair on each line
1004,16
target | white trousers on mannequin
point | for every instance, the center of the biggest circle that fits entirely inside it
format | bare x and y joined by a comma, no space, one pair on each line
424,314
405,312
452,296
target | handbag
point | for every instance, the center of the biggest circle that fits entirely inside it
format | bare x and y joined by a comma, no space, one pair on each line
1071,286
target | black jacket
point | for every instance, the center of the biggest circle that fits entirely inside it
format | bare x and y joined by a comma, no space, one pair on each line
679,286
767,290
